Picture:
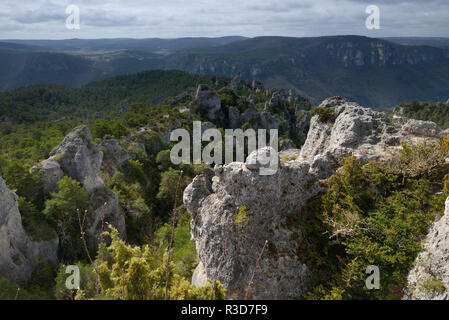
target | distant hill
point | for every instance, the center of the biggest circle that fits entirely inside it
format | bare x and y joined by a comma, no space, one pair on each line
23,65
373,72
148,45
421,41
111,96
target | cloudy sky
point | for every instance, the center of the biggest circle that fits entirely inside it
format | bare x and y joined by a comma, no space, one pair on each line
46,19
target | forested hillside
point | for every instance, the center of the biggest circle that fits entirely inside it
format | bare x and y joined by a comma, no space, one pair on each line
127,120
375,72
107,97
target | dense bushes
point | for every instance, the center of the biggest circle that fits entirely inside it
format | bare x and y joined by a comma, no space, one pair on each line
325,114
372,215
437,112
133,273
61,212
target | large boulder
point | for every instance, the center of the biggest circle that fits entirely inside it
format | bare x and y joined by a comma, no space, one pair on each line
19,255
422,128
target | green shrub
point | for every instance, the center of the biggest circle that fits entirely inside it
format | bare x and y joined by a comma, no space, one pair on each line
34,222
325,114
61,212
375,218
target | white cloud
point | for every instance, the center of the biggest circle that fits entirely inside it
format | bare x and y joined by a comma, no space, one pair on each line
34,19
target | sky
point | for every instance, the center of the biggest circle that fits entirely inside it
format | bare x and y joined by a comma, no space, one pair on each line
46,19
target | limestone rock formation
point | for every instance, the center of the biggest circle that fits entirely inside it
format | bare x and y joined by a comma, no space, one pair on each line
114,156
50,173
429,278
199,277
79,158
269,200
422,128
19,255
209,99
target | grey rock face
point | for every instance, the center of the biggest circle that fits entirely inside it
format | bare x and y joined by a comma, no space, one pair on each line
234,117
19,256
209,99
362,132
269,200
429,278
50,173
283,272
422,128
264,158
199,277
80,158
105,202
114,155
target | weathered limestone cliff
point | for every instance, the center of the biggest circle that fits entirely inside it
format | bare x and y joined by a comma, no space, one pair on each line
213,200
19,255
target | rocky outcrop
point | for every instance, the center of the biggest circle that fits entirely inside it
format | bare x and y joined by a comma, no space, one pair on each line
114,156
50,173
362,132
209,99
423,128
19,256
79,158
429,278
269,200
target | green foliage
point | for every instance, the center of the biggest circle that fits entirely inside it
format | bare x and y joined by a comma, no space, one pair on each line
22,181
52,102
432,285
163,160
169,181
61,212
138,273
325,114
242,216
9,291
375,218
103,129
184,252
34,222
228,98
42,280
422,158
437,112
